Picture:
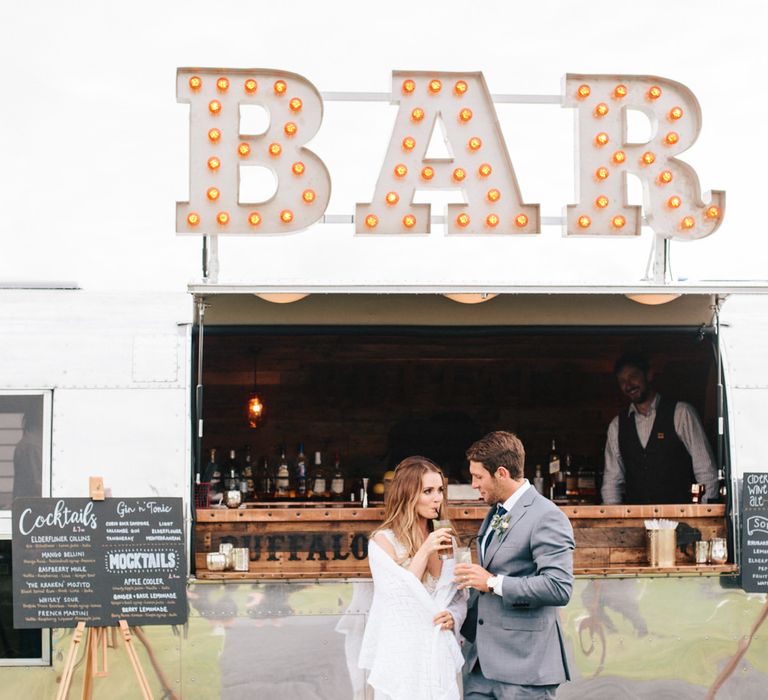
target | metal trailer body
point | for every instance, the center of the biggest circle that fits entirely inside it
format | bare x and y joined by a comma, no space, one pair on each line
118,368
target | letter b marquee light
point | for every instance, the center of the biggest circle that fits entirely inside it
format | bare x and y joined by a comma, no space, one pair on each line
218,150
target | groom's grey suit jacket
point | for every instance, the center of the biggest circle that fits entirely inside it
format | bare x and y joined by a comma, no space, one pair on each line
518,638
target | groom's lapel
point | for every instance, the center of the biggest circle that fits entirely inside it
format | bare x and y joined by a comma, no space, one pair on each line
481,532
518,511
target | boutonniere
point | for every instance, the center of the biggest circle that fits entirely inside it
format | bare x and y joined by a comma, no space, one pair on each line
500,524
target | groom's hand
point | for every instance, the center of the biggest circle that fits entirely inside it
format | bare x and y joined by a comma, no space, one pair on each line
472,576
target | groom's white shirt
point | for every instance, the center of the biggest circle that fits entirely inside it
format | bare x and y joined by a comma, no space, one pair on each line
508,505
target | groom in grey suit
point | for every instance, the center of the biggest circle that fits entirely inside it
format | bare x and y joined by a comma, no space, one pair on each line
515,646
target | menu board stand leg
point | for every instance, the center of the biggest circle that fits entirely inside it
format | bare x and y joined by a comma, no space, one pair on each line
69,664
95,647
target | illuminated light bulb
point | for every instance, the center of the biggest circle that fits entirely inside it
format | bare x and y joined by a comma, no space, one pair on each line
408,87
492,220
212,194
298,168
618,222
462,220
521,220
435,86
250,86
674,202
223,218
400,170
484,170
665,177
392,198
687,222
460,88
280,88
214,106
193,219
417,114
671,138
275,149
195,83
654,93
602,173
214,163
214,135
601,202
601,139
427,173
409,221
619,157
371,221
585,221
459,174
308,196
254,218
619,92
222,84
286,216
648,158
409,143
290,129
244,149
675,113
583,92
295,104
712,212
601,110
474,144
493,195
465,115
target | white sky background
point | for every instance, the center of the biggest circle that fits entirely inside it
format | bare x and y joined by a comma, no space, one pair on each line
93,145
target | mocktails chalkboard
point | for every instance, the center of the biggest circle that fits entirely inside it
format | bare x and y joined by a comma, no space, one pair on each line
98,561
754,518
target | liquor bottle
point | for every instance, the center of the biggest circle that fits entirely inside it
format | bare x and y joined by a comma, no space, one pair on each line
319,481
556,476
337,481
283,478
231,473
538,480
301,473
266,477
587,485
722,489
571,479
212,473
554,459
248,483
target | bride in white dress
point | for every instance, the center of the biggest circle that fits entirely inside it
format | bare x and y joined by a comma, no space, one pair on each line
410,646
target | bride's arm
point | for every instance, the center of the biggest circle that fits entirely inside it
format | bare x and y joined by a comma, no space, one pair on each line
435,542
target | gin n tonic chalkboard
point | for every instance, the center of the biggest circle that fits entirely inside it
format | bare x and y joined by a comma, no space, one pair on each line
98,561
754,519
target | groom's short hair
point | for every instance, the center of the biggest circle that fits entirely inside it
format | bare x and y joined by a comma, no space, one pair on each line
499,449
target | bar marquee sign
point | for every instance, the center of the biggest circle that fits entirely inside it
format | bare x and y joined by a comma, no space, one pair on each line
479,166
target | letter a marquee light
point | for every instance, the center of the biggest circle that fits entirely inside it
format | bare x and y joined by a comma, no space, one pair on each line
478,166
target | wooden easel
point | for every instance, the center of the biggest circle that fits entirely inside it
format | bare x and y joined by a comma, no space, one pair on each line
96,641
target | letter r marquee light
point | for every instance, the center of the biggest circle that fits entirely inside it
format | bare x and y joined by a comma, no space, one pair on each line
478,166
672,196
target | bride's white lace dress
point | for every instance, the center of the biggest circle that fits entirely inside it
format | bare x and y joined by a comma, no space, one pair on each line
407,655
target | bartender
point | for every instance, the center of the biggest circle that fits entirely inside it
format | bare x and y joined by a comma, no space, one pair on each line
657,448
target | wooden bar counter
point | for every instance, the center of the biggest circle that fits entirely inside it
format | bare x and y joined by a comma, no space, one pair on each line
320,541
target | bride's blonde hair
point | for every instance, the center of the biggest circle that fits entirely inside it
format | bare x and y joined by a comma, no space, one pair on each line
400,504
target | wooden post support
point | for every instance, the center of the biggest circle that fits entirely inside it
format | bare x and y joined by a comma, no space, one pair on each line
128,639
69,664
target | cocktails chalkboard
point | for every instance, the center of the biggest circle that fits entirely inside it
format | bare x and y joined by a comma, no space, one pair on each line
98,561
754,519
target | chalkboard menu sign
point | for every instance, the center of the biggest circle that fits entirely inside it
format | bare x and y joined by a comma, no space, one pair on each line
98,561
754,518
